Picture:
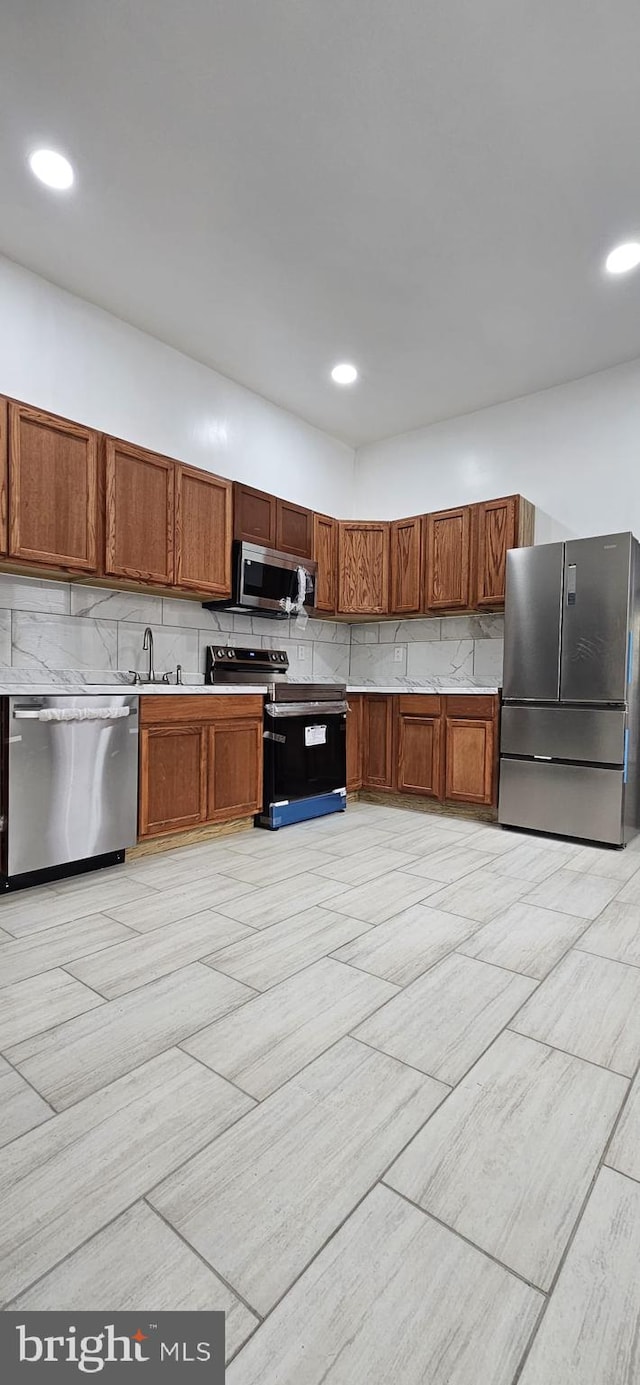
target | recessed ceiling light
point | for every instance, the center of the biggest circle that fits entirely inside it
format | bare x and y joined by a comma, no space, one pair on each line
51,168
623,258
344,374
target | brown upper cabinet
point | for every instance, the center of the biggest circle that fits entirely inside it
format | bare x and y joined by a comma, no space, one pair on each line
363,568
203,531
254,516
4,476
406,593
53,490
139,513
325,552
265,520
294,529
448,559
501,525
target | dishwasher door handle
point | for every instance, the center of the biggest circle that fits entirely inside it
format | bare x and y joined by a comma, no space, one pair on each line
74,714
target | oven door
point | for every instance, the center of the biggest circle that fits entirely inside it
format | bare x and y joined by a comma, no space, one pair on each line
265,579
304,750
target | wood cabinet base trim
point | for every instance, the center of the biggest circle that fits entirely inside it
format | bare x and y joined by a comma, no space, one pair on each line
420,804
193,836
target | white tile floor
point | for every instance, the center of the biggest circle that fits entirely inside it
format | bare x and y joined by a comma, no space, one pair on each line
368,1085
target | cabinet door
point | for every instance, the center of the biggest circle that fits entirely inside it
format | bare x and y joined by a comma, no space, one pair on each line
363,568
4,463
254,516
325,552
406,566
53,487
420,755
139,519
294,529
354,742
448,559
496,521
203,531
235,769
470,760
173,778
377,735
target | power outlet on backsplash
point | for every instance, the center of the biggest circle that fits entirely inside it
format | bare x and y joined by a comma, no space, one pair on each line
398,654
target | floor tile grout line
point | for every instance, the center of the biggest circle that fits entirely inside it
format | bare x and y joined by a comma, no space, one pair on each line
378,1178
571,948
412,1067
68,961
602,1164
292,1076
164,976
194,1251
207,1066
426,1212
174,1044
573,1233
149,932
620,1173
26,1289
605,957
18,895
546,1043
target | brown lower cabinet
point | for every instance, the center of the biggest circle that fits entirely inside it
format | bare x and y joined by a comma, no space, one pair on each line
443,748
471,749
354,742
420,745
377,738
200,760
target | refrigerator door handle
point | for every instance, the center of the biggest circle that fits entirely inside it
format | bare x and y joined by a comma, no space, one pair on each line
571,583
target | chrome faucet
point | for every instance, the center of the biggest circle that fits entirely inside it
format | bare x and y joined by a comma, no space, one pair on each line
147,643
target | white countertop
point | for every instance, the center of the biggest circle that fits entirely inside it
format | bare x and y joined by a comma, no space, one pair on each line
441,688
112,689
66,687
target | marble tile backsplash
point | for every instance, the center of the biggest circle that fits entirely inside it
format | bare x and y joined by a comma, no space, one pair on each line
52,626
459,649
48,626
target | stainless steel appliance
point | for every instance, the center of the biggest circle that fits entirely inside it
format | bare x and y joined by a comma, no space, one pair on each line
569,734
305,762
69,784
267,582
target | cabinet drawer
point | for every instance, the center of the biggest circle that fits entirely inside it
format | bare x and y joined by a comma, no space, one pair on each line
419,704
472,706
197,707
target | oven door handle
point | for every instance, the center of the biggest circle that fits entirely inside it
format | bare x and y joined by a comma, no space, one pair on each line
302,709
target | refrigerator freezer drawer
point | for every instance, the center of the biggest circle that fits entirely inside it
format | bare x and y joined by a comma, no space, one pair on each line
586,734
569,800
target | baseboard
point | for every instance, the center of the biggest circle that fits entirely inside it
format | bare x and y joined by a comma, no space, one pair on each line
192,837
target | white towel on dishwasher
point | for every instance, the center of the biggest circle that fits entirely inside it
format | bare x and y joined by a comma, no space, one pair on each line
82,713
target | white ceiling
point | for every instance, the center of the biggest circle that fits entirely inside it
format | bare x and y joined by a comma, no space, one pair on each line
425,187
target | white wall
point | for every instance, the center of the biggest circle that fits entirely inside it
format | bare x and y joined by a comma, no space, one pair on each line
574,451
64,354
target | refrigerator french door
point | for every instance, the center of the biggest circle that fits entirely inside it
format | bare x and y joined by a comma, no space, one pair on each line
568,747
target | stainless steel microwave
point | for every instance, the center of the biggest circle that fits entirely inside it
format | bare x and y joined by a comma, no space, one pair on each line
265,581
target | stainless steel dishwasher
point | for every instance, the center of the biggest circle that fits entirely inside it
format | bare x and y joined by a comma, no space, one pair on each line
69,783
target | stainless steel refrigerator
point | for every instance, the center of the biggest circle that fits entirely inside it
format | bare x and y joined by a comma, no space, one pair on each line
569,731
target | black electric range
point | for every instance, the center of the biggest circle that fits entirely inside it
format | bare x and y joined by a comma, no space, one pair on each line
305,758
